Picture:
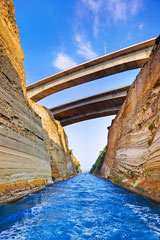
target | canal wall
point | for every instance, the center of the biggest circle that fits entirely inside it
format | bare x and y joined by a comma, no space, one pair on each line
132,159
33,146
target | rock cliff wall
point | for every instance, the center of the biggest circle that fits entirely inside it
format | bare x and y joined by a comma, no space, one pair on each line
56,143
133,153
76,163
9,39
33,146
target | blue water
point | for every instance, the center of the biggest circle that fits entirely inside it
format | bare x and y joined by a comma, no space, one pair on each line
84,207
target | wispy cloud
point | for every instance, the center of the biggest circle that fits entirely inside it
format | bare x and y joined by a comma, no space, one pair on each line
63,61
117,9
136,6
140,26
101,11
93,4
95,7
84,48
123,9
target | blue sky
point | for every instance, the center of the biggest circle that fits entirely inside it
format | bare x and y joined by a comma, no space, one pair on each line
56,35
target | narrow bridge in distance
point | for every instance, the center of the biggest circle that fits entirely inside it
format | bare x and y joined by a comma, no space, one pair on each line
95,106
122,60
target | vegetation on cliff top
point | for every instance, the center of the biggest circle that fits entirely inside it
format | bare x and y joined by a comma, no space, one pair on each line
76,163
99,162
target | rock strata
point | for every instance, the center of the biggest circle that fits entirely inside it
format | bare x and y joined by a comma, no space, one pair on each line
33,146
133,153
23,155
10,41
56,143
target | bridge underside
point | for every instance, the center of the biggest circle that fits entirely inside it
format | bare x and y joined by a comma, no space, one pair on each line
83,117
100,105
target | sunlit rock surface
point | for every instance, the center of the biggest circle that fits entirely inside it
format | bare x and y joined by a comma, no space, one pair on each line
56,143
33,146
133,154
9,39
76,162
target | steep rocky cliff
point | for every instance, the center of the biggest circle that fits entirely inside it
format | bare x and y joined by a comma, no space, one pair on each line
33,146
133,153
75,161
95,169
56,143
9,39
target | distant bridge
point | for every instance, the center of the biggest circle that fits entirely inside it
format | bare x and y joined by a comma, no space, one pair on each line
122,60
99,105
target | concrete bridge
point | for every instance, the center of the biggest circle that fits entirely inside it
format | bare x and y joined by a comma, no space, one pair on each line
99,105
122,60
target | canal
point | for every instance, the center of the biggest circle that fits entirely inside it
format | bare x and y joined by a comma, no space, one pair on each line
84,207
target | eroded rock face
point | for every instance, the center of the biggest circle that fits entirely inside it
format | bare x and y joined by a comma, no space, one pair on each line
133,154
33,146
23,155
9,39
56,143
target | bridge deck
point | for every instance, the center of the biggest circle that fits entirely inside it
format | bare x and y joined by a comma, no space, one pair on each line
99,105
122,60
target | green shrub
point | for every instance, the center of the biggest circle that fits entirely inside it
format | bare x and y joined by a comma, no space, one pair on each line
118,181
70,151
151,126
99,162
149,141
130,174
77,165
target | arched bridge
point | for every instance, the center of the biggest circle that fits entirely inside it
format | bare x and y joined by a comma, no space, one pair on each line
122,60
99,105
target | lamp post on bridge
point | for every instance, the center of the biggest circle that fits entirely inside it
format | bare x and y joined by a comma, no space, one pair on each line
105,48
